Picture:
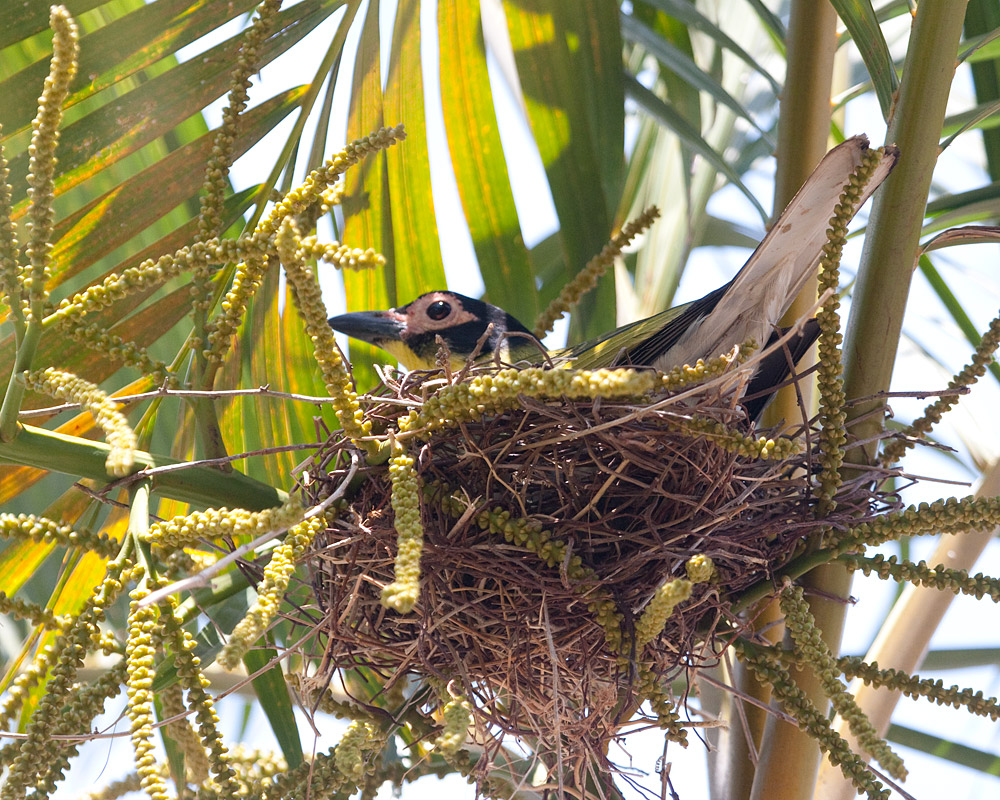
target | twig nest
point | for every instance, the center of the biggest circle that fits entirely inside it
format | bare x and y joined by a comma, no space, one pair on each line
548,531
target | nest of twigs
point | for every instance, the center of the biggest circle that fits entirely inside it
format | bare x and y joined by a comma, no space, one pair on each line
628,490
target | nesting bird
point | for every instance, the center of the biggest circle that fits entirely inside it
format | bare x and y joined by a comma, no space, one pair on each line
748,307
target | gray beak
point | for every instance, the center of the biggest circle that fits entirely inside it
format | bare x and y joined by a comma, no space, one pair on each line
370,326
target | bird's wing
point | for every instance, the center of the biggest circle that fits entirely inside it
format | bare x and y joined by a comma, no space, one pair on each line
637,343
753,302
608,348
657,334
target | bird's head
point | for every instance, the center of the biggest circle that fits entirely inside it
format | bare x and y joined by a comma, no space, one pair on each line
408,333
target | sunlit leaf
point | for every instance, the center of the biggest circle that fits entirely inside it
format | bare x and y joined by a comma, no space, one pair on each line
117,50
416,249
111,220
942,748
90,144
272,694
477,158
367,215
982,19
691,137
689,14
551,46
859,17
685,68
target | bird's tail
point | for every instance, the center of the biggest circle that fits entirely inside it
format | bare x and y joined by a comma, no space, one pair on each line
765,287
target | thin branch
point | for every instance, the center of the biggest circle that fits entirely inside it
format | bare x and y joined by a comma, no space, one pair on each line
202,578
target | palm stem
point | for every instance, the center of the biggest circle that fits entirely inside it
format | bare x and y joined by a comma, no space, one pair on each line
803,135
890,251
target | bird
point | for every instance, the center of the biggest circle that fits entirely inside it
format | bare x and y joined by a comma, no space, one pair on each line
410,333
747,307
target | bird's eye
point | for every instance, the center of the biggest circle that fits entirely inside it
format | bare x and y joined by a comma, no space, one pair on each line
438,310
